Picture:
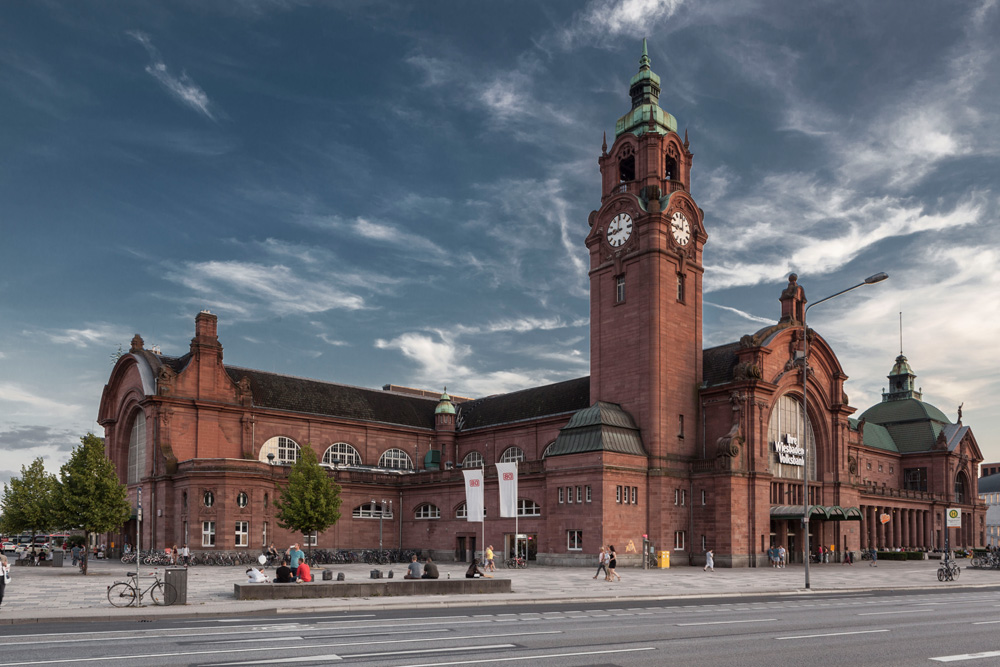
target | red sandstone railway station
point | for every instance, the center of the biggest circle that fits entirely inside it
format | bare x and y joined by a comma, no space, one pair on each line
693,448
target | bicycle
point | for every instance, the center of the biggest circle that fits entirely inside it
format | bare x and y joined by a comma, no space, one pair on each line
127,593
516,562
948,571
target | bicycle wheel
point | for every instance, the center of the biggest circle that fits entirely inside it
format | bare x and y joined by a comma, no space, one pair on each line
121,595
522,563
163,593
955,571
977,562
940,574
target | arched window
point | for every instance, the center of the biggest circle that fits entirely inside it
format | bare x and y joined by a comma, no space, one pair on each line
208,499
462,511
670,169
137,448
528,508
285,450
372,510
960,488
548,449
626,169
396,458
242,499
473,460
427,511
343,453
787,437
512,454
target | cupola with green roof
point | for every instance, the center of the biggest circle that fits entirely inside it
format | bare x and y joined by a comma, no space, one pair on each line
644,89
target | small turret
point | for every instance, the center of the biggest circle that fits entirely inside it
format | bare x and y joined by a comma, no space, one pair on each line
444,425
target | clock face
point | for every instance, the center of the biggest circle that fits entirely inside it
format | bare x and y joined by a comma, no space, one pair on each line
619,230
680,228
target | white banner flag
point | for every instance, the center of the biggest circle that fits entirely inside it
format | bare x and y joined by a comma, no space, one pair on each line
507,473
474,494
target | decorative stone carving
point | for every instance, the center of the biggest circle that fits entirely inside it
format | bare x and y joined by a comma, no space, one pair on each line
137,343
165,379
245,391
747,371
729,444
852,465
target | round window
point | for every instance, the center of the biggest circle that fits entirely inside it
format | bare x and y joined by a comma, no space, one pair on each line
242,499
209,499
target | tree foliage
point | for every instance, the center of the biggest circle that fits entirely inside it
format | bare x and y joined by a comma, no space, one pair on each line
310,502
27,504
90,497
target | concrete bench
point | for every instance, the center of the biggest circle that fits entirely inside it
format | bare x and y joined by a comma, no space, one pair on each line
374,588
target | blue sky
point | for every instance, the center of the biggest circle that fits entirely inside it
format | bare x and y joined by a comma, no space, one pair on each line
395,192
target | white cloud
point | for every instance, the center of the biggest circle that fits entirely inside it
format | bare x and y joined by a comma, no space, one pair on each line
273,288
103,335
736,311
611,18
16,393
182,87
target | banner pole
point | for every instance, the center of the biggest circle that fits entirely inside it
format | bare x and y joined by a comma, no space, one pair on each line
517,502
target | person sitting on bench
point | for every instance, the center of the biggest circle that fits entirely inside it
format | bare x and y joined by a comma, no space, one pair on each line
474,572
430,569
414,571
283,575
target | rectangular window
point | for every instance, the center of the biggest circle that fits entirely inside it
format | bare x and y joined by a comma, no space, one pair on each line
242,533
915,479
680,426
680,287
703,496
620,289
561,501
635,495
588,494
704,543
574,540
569,494
579,494
679,540
208,533
683,497
677,496
310,540
185,532
625,498
263,535
618,494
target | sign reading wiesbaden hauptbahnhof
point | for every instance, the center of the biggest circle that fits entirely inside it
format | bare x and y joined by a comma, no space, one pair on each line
788,451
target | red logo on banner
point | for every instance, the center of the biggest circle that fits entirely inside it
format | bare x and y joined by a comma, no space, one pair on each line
508,477
473,482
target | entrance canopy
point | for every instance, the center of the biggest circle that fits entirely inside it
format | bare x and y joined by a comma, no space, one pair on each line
830,513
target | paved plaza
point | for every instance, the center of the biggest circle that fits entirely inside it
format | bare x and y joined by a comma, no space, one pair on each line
44,593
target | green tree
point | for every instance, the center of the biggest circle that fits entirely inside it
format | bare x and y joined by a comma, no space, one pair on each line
90,497
28,501
310,502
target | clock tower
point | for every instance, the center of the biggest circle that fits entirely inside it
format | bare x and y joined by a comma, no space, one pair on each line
645,245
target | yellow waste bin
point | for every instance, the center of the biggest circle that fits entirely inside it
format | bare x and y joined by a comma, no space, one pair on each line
663,559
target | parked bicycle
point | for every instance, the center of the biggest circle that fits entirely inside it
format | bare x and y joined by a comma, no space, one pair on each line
516,562
128,593
948,570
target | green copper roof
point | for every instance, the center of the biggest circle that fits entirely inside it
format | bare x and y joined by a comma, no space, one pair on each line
644,90
445,407
876,436
601,427
913,426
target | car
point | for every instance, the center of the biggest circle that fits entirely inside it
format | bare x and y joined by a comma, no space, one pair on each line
9,547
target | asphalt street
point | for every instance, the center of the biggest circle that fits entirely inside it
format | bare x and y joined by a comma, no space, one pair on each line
858,629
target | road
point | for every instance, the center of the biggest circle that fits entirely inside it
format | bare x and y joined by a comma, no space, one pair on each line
884,628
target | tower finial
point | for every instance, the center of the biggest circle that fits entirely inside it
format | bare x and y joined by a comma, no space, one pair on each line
900,333
644,60
604,144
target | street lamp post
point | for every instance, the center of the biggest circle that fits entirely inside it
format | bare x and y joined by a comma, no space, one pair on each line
381,515
870,280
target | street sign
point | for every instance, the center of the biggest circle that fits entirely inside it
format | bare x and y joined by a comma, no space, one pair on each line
954,518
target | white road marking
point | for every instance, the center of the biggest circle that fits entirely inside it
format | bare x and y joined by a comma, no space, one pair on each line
968,656
749,620
266,648
333,656
534,657
834,634
898,611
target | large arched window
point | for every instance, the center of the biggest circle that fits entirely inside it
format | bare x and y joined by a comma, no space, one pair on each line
961,488
512,454
462,511
137,448
285,450
473,460
343,453
787,438
548,449
396,458
372,510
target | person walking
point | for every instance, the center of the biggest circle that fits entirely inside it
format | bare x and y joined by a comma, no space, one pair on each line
490,565
186,555
782,556
709,561
612,564
602,563
4,576
874,561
